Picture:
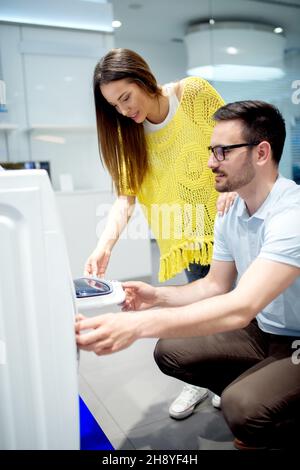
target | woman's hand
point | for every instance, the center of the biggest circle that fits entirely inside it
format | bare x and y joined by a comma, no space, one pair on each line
97,262
225,201
139,296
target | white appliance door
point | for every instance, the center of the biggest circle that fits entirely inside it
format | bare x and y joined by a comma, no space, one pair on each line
38,366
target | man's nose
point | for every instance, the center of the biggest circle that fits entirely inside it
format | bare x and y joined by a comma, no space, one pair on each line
212,162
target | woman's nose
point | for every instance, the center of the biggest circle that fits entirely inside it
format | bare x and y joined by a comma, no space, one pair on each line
123,110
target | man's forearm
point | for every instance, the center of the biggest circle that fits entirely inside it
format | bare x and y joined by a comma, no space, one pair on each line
177,296
210,316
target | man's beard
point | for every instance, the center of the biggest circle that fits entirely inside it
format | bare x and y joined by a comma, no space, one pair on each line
233,183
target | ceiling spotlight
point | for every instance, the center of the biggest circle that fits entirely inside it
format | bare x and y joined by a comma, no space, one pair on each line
116,24
231,50
278,30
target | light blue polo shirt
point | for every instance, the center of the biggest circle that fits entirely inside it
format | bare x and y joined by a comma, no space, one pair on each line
272,232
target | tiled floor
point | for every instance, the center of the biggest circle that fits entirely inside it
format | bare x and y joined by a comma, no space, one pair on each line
129,397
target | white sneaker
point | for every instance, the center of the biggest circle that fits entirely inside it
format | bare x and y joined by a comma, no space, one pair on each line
185,403
216,401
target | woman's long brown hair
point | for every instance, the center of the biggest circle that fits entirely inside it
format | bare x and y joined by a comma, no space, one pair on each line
122,142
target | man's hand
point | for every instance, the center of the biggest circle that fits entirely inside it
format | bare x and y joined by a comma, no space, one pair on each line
139,296
110,332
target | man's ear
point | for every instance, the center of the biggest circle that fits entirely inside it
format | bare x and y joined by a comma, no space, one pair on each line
264,152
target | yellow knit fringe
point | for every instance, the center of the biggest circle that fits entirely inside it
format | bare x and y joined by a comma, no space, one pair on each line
180,257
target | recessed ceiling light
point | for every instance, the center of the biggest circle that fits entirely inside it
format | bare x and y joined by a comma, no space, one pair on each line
116,24
231,50
278,30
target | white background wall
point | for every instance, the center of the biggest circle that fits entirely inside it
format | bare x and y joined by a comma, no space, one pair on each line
166,60
49,74
83,217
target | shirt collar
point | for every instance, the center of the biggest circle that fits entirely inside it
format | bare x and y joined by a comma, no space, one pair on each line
263,210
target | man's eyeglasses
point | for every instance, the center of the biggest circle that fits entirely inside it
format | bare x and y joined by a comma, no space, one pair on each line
219,151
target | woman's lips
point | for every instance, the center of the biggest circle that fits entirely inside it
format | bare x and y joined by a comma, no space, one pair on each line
134,116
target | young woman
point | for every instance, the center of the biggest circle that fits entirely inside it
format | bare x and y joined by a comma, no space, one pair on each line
153,140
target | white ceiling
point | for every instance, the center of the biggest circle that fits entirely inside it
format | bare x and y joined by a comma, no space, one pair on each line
166,20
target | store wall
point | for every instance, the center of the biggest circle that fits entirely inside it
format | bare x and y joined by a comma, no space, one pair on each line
278,92
166,60
49,74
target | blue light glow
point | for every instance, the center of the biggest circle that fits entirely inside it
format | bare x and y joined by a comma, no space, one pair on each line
91,435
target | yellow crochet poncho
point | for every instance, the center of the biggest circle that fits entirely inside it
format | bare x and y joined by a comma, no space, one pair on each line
177,194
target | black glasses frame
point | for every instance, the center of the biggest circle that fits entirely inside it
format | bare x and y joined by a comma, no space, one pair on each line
223,148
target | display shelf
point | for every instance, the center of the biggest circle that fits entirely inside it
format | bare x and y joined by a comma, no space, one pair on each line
8,127
55,127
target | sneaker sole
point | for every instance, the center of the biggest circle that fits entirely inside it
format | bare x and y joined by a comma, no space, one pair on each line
189,411
216,404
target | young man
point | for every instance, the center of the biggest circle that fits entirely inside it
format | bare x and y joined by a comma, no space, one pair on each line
235,331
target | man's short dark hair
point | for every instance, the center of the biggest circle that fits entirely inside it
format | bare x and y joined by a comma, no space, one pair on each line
261,121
